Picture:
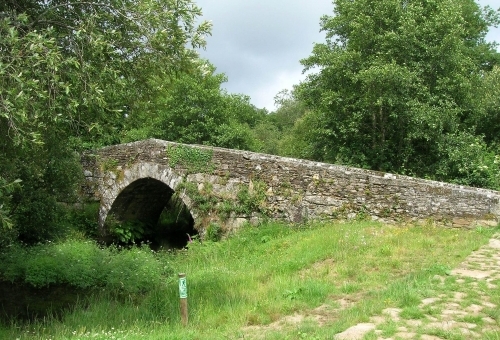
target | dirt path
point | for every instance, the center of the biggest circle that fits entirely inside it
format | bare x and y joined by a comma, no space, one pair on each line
458,306
461,307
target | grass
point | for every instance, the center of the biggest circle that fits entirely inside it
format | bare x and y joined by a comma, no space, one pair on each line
241,286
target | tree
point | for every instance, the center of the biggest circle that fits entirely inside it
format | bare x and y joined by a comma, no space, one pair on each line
193,108
243,117
68,69
276,131
119,50
289,109
395,78
197,110
487,120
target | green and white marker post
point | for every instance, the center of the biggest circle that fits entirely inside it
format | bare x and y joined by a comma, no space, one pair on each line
183,297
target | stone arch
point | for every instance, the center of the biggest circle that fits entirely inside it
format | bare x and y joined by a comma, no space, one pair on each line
139,192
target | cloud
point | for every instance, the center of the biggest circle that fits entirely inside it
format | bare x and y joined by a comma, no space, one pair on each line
494,33
266,91
258,43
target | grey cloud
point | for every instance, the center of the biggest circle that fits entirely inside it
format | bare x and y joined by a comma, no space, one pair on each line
253,41
258,43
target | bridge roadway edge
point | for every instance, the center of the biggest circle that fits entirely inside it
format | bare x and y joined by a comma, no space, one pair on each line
295,190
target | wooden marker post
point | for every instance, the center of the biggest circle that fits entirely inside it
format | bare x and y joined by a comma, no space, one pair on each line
183,297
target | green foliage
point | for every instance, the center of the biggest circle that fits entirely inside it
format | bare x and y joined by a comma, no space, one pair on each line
252,198
466,159
267,138
214,232
249,199
196,110
37,216
243,117
126,231
397,83
290,109
190,111
84,218
193,159
486,120
235,135
301,141
146,42
31,79
108,164
33,95
6,224
83,264
70,73
50,174
204,200
277,134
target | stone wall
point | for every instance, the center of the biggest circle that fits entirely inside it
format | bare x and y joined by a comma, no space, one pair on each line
291,189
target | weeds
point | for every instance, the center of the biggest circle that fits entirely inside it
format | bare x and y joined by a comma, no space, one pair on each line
264,273
249,199
83,264
193,159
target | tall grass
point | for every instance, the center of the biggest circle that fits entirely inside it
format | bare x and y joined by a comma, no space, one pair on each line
264,273
83,264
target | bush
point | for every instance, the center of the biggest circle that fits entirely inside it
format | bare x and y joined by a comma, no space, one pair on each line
37,216
83,264
13,262
84,219
134,270
466,159
214,232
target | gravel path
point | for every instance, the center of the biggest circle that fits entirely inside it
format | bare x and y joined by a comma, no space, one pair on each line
463,305
460,307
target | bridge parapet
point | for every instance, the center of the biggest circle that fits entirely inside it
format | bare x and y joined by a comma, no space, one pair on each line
231,186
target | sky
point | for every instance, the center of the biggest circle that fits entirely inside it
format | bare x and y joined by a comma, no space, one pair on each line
258,44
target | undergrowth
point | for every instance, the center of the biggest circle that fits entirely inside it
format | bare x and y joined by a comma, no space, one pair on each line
239,286
191,158
84,264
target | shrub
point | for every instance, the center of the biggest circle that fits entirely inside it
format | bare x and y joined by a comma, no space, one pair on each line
134,270
214,232
83,264
84,218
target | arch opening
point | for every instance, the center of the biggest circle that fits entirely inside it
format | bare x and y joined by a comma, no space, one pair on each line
148,210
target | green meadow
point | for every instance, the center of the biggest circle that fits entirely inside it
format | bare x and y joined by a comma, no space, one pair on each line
320,278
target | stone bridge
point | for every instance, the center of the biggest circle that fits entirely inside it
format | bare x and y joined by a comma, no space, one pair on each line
228,187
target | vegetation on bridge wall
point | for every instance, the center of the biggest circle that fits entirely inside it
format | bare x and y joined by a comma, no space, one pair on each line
408,105
241,185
